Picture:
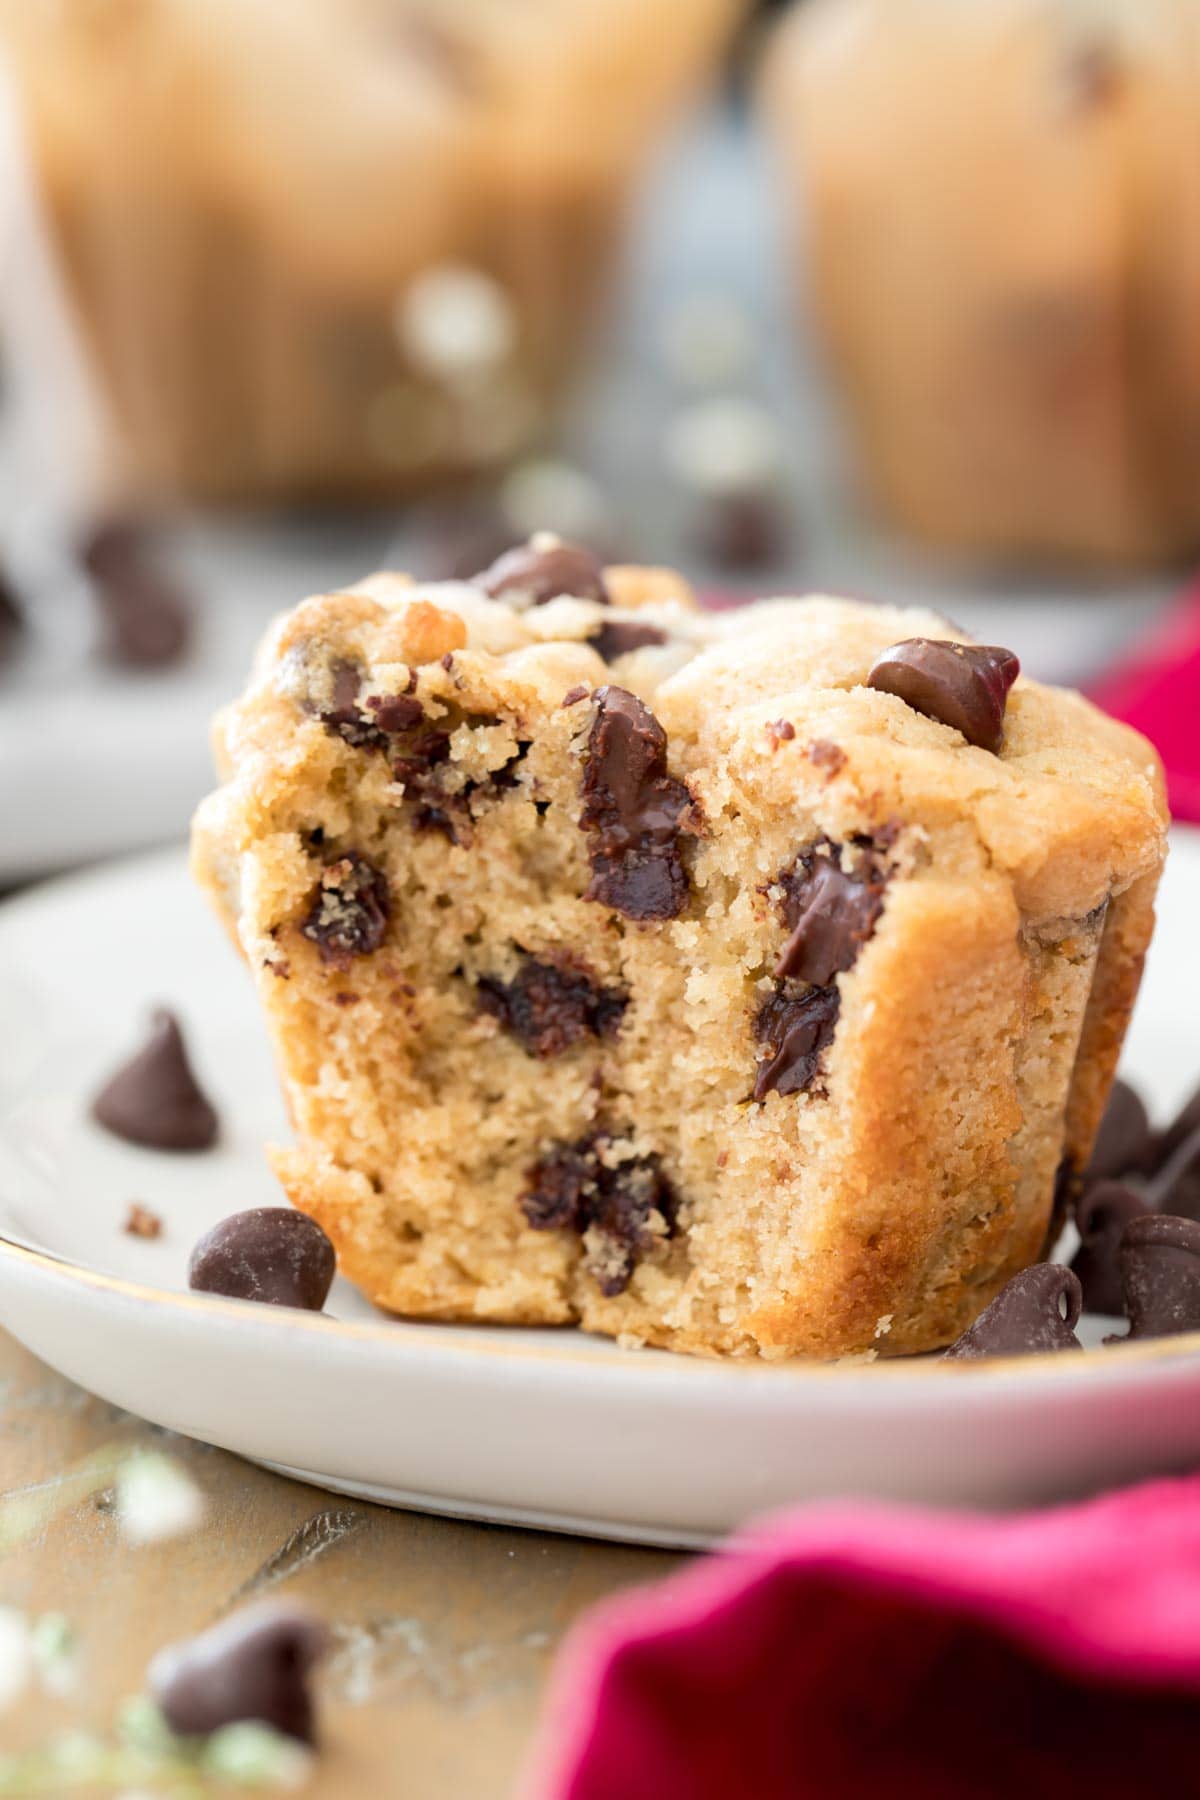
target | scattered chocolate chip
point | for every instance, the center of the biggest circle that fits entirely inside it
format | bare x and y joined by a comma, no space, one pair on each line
548,1006
1101,1216
964,686
255,1664
574,695
830,910
633,810
1027,1316
12,620
1182,1126
147,616
825,755
621,636
742,532
270,1254
620,1208
1160,1275
141,1222
1125,1142
349,911
795,1030
542,570
780,731
155,1099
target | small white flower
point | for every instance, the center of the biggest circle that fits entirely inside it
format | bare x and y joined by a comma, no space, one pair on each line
156,1499
55,1655
256,1756
16,1655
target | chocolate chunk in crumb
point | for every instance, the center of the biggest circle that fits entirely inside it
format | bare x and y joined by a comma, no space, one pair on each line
141,1222
1036,1311
823,754
634,811
830,910
1160,1275
542,570
154,1099
254,1665
548,1006
395,712
964,686
620,1208
270,1254
619,637
795,1029
1125,1142
1101,1215
349,911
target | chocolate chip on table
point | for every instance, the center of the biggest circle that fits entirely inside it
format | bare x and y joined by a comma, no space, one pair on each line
254,1665
1027,1316
633,810
271,1254
618,637
154,1099
795,1030
147,616
1101,1216
542,570
830,909
550,1005
620,1208
141,1222
348,914
964,686
1125,1141
1160,1272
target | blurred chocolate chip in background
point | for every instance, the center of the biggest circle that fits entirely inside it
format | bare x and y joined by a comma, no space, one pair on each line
1125,1142
1160,1272
12,619
1102,1215
255,1665
147,616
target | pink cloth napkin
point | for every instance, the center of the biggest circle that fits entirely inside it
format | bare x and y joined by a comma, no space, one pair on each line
839,1653
1158,690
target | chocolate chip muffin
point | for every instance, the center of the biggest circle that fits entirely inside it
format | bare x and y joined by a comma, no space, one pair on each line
746,984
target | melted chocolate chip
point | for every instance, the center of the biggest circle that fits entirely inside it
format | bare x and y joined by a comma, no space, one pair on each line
155,1099
1160,1273
633,810
270,1254
548,1006
619,1208
1027,1316
1102,1215
828,756
395,712
620,636
1125,1142
796,1029
964,686
542,570
349,911
147,616
830,911
254,1665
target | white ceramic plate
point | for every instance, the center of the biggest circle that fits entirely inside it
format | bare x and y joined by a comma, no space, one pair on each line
547,1428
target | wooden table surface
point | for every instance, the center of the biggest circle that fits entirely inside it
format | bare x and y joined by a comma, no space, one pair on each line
443,1631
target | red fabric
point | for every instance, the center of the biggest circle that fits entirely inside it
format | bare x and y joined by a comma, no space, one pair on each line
1158,690
874,1651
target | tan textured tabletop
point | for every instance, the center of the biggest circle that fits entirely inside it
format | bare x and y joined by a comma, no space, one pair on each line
443,1631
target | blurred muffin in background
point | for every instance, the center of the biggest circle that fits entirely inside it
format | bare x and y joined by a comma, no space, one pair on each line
1000,205
335,249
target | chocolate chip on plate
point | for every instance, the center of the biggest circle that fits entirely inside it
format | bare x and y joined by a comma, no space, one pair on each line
254,1665
155,1099
543,569
618,637
147,616
830,909
1125,1142
633,810
1101,1215
1027,1317
1160,1272
271,1254
795,1029
348,914
964,686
